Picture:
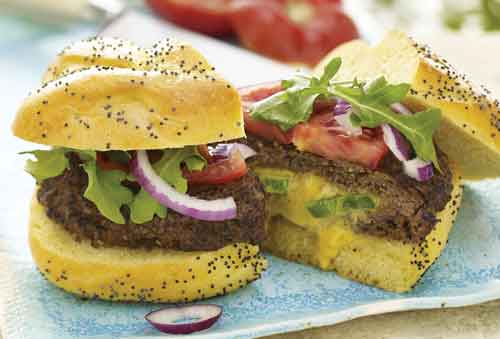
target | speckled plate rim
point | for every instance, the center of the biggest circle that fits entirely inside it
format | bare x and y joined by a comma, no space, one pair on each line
336,317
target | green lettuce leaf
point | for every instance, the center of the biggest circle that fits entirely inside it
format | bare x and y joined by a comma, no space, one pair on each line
294,104
144,207
169,166
370,102
105,190
48,164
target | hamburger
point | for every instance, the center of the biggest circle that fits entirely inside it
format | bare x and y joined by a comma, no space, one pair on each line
131,204
363,161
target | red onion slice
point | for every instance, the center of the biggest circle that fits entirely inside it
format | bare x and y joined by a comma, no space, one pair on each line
396,142
418,169
400,108
344,120
184,319
224,150
341,107
210,210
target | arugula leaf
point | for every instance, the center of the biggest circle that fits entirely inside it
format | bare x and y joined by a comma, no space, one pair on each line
330,70
48,164
294,104
144,207
373,111
375,85
105,190
195,162
84,155
169,166
370,103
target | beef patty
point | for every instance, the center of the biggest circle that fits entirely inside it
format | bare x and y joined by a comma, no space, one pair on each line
407,209
64,203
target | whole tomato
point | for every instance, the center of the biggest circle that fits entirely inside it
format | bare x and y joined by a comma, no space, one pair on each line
293,31
204,16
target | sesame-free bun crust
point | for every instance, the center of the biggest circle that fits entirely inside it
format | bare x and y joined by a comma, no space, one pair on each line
388,264
103,94
469,132
121,274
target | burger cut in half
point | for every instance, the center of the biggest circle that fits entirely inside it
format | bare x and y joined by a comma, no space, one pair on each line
362,162
130,203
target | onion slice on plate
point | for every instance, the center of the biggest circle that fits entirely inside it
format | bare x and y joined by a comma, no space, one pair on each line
396,142
225,150
210,210
184,319
418,169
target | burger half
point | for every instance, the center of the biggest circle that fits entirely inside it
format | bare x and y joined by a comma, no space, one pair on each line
130,203
362,162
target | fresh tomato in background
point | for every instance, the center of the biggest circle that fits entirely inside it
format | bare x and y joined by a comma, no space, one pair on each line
204,16
293,31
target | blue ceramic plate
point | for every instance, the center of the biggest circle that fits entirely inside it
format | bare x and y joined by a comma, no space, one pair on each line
289,297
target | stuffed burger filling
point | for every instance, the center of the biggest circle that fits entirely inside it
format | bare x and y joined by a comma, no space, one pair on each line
348,152
193,198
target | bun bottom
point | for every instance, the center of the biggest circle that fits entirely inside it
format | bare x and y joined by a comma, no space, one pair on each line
388,264
122,274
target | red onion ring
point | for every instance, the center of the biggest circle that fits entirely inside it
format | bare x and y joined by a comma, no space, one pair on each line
418,169
210,210
400,108
224,150
396,142
344,120
341,107
170,320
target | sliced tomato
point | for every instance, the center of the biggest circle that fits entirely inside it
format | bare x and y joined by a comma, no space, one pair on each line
219,172
204,16
259,128
267,130
107,164
322,135
294,31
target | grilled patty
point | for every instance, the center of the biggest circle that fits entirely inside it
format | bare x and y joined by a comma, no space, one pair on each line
407,209
64,203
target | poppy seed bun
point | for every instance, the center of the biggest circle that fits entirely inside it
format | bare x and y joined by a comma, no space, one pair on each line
469,132
122,274
104,94
389,264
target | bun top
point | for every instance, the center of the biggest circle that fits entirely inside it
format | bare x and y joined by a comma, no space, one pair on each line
470,129
109,94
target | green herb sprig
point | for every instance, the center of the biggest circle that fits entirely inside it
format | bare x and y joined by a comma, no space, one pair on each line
370,103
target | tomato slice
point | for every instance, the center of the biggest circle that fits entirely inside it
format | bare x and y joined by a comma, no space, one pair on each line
204,16
294,31
107,164
322,135
259,128
219,172
266,130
